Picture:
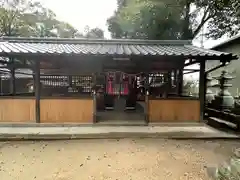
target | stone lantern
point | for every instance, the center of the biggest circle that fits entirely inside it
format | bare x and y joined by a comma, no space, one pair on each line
223,100
209,94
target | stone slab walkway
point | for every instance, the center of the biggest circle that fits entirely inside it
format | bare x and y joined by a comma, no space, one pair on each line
94,132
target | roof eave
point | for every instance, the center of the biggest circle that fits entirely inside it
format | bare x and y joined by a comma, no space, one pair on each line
36,55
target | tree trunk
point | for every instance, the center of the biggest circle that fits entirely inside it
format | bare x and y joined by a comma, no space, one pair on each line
187,32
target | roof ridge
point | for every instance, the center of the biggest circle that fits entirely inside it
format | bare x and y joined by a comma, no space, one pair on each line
93,41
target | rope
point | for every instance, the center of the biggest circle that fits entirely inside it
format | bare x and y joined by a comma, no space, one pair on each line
123,73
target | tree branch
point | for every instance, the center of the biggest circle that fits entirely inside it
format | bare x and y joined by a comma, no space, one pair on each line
205,18
10,23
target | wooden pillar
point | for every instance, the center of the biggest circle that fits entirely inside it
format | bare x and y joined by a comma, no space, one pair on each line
146,110
94,99
202,89
1,84
12,78
169,80
175,76
175,81
70,80
205,88
180,81
37,89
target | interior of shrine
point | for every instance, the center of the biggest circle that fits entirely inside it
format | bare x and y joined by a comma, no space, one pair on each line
120,87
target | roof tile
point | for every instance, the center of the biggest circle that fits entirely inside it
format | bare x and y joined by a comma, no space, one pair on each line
23,46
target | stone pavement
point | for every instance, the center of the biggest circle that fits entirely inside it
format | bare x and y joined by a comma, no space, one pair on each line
93,132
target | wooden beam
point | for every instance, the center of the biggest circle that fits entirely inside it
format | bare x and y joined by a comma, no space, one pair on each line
191,62
191,71
215,68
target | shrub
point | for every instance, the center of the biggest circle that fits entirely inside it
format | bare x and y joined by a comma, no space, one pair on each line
228,170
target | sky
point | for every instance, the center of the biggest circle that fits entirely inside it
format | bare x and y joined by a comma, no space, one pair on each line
80,13
94,13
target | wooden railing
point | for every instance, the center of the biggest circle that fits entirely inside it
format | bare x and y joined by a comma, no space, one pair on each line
66,110
52,110
223,116
19,110
174,110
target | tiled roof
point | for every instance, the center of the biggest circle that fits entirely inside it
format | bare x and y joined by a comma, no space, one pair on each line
37,46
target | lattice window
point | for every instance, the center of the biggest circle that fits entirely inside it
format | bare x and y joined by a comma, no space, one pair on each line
157,79
66,85
54,81
83,83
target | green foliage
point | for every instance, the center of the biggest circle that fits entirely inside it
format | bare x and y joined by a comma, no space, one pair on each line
190,87
140,19
227,171
223,17
95,33
25,18
174,19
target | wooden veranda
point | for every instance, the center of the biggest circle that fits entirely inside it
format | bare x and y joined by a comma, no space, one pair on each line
79,80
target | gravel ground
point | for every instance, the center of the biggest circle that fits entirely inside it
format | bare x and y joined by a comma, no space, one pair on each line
126,159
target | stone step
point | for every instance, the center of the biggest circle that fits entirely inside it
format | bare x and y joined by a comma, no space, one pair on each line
96,132
221,121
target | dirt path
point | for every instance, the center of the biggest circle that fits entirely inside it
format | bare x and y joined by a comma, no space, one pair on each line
128,159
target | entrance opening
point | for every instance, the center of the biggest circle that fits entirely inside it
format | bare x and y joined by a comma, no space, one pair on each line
119,99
